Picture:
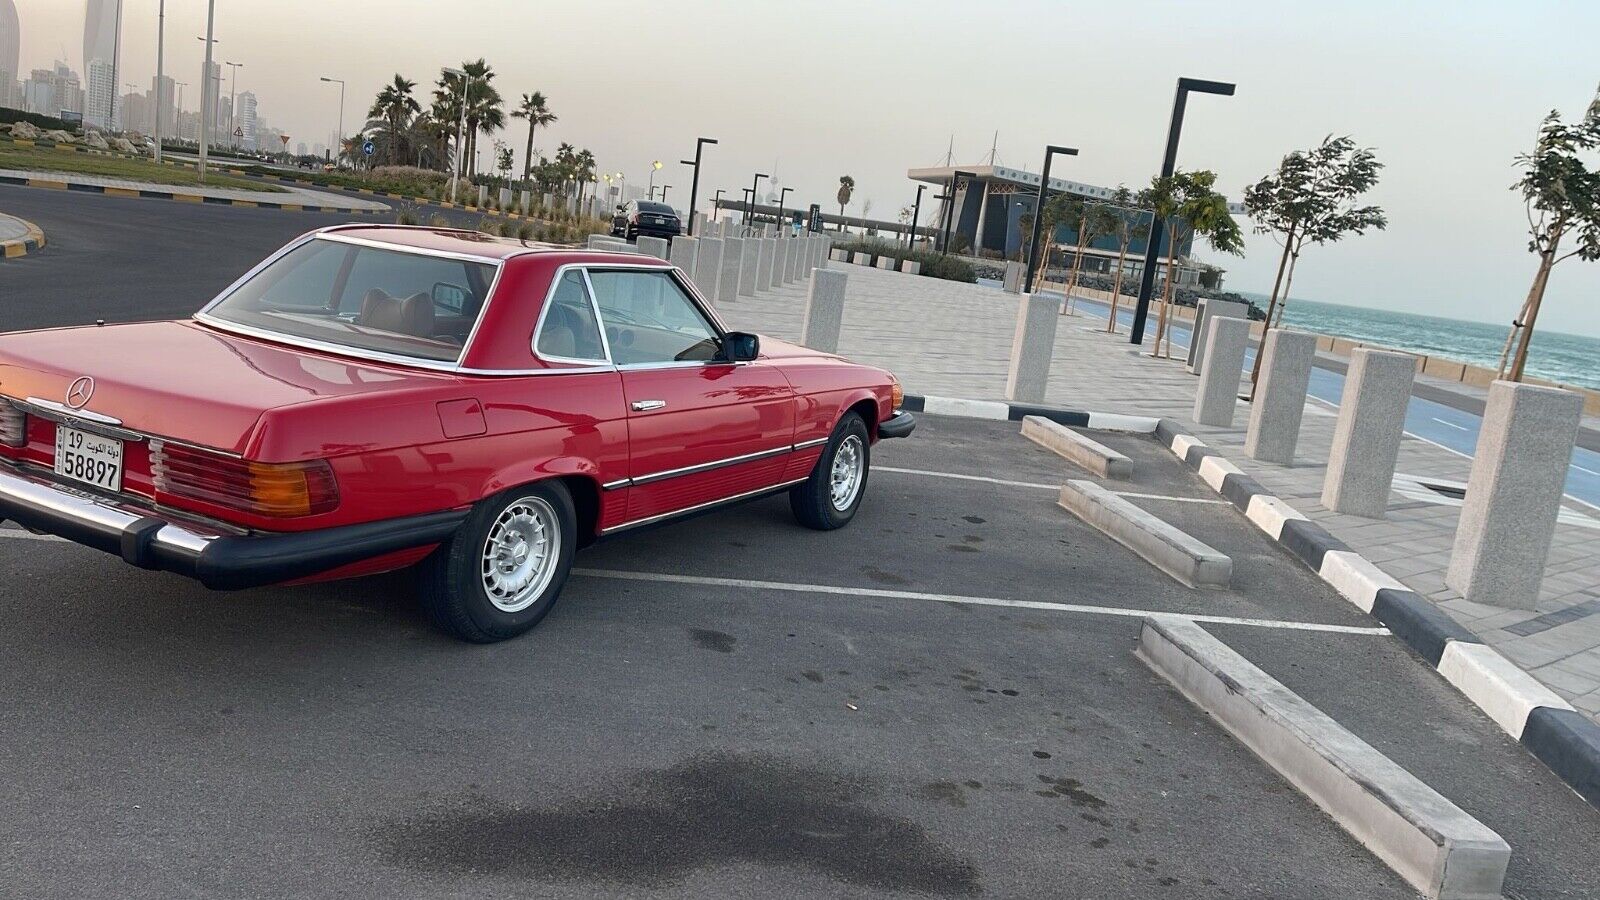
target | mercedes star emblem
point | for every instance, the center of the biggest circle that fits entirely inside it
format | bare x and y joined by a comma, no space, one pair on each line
80,392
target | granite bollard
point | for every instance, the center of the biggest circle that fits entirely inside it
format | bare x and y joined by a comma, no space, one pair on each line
1280,401
1519,471
780,260
683,253
1012,282
524,200
651,246
749,263
600,241
548,201
483,196
1204,310
1032,346
1217,395
732,273
1366,438
765,262
707,266
824,315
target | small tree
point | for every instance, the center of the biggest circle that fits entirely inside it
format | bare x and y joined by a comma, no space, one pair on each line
1094,221
1191,206
1128,211
1312,196
1562,195
847,186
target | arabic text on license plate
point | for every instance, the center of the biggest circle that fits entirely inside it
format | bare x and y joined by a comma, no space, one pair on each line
89,458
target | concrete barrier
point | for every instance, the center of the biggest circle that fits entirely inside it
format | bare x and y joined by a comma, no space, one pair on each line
1172,551
1217,395
1366,437
652,246
707,266
684,252
911,267
1430,842
483,196
888,262
1032,345
765,262
1205,308
780,262
732,273
1076,448
824,312
749,261
600,241
524,201
1012,281
1280,401
1519,471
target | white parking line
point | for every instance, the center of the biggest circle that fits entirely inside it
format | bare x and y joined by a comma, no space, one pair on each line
750,584
1053,488
1171,499
1582,469
1451,424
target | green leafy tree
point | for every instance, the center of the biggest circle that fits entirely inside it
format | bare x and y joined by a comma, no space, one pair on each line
1313,196
390,120
1562,196
1093,220
1128,214
847,187
534,108
1191,206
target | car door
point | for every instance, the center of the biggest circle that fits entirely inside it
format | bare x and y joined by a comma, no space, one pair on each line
700,429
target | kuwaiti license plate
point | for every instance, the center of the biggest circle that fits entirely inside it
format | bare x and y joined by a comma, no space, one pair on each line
89,458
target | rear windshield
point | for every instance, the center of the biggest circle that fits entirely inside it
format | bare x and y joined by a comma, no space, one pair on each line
647,206
406,304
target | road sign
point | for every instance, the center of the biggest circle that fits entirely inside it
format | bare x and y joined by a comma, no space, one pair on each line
367,148
285,139
238,132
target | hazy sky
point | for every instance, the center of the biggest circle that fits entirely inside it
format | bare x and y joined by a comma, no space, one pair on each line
1447,92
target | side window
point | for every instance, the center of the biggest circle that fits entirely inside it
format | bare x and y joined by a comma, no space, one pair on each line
305,279
649,319
567,328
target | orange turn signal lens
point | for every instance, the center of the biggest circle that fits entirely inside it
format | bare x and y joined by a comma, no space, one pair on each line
897,394
277,490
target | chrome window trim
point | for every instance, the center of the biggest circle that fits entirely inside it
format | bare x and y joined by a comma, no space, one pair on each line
438,365
770,489
544,313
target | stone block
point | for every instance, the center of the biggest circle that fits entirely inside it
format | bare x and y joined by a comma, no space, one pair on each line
1366,437
683,253
765,262
707,266
1208,307
1280,401
732,274
652,246
1217,395
824,313
1519,472
1033,345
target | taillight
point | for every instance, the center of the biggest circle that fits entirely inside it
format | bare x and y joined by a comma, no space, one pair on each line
13,425
278,490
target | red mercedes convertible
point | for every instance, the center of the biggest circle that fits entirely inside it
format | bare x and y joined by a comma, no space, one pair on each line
375,397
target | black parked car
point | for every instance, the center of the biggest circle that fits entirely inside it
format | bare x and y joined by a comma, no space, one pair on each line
645,217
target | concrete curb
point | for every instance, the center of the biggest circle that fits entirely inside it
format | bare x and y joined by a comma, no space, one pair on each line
1077,449
1169,549
1430,842
1563,739
179,196
1016,412
32,242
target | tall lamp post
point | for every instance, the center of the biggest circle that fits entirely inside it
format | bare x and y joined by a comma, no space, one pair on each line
916,212
161,64
1050,151
1147,278
655,166
716,203
754,187
694,185
233,102
664,192
782,195
205,86
339,138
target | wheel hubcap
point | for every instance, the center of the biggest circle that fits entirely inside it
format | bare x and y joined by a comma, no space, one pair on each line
849,464
519,556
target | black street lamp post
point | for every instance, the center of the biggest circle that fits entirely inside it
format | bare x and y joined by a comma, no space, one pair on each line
750,218
694,185
916,212
782,195
1147,278
1038,211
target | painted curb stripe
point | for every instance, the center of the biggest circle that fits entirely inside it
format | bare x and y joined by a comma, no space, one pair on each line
1016,412
149,194
1565,740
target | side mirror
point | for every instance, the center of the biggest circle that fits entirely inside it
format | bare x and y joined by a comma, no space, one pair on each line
449,297
739,346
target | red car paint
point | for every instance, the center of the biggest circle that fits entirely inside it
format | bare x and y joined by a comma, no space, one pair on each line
406,439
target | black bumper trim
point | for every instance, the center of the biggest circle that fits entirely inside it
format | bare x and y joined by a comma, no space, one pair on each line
900,425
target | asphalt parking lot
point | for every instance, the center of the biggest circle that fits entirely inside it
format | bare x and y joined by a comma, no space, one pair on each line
733,707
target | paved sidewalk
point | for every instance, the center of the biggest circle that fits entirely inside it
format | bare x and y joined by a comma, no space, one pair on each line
288,196
949,339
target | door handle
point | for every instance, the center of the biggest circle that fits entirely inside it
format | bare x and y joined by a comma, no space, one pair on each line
648,405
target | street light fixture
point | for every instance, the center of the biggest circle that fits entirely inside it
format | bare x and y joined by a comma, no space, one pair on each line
916,211
161,71
1147,278
782,195
655,166
694,185
1050,151
716,203
750,217
339,137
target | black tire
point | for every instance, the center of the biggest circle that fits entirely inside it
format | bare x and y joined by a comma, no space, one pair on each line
812,499
453,584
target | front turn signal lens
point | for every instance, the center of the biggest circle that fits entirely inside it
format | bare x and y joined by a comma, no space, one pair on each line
897,394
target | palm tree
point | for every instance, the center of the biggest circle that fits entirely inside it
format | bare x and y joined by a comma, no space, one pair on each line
390,117
533,108
484,112
585,171
847,186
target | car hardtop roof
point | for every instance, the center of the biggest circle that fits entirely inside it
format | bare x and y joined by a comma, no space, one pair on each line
476,243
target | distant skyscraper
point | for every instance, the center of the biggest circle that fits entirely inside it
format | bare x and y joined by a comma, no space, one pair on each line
247,121
161,93
214,79
100,31
10,48
99,93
